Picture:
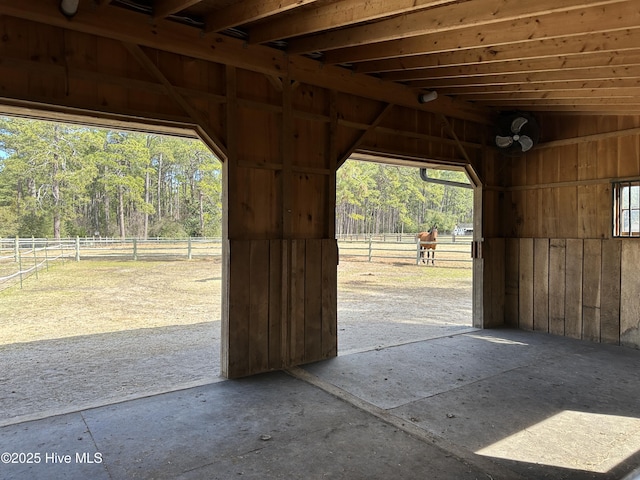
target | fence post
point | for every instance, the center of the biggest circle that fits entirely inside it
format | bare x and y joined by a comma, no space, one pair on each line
189,249
17,250
46,254
370,237
418,251
20,267
77,248
135,249
62,251
35,259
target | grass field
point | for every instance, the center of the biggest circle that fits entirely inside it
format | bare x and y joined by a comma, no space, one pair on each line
91,297
101,296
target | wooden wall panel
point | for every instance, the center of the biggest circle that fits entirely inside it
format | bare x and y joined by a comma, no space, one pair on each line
307,132
258,279
511,284
311,99
329,298
525,285
557,282
541,285
297,322
628,149
313,300
567,212
592,284
258,88
254,211
308,216
573,288
239,310
629,294
278,299
610,297
258,149
494,282
588,211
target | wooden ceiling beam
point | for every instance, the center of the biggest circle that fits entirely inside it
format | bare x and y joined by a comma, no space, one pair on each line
248,11
440,20
334,15
558,25
546,64
164,8
527,103
604,73
541,87
615,42
133,28
576,96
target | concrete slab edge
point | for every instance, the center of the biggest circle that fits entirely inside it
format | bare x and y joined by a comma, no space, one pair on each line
401,344
31,417
493,470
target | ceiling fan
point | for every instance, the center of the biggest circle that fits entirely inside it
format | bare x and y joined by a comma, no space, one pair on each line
518,132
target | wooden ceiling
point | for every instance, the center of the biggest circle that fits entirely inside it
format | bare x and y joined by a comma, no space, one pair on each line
577,56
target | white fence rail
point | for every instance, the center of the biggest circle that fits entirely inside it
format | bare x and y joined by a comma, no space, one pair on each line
23,257
450,250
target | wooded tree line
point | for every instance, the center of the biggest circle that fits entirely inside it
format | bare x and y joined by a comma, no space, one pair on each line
375,198
59,180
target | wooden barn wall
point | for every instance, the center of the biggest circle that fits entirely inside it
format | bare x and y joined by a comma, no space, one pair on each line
563,271
281,142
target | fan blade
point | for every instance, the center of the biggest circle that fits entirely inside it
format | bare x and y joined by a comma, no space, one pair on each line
525,142
504,142
518,123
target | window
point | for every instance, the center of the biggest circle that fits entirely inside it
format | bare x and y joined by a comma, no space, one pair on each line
626,209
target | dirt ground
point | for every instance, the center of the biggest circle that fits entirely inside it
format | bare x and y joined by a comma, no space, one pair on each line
97,332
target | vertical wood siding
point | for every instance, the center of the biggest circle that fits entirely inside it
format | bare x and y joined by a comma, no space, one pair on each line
591,289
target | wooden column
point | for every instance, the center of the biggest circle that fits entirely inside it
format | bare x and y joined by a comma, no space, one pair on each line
280,274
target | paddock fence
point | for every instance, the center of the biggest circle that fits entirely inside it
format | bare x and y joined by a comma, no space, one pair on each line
451,250
21,258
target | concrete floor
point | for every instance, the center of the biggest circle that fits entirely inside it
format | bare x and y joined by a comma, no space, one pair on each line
493,404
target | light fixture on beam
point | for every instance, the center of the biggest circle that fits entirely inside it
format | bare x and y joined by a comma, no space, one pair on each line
428,97
69,7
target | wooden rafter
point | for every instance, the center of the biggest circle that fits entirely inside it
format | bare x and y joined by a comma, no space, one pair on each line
585,75
572,63
247,11
164,8
335,14
440,20
575,22
600,87
615,43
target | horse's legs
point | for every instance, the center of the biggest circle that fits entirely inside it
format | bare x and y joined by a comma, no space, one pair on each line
433,259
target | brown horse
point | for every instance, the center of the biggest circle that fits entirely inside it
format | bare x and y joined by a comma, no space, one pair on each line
428,241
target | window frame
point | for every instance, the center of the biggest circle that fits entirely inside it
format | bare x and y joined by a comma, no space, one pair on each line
631,206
